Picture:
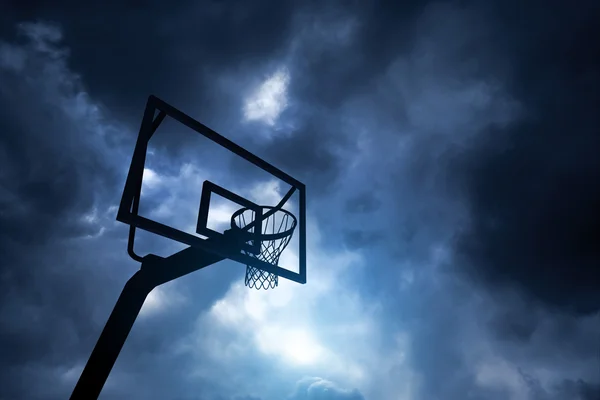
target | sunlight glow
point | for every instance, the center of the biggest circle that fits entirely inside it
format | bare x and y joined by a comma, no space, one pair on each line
295,346
301,348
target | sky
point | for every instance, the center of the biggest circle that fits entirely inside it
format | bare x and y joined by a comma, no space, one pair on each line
449,151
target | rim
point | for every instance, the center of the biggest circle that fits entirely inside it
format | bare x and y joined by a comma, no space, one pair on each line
264,236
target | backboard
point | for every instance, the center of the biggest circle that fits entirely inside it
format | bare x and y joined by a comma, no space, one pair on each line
255,231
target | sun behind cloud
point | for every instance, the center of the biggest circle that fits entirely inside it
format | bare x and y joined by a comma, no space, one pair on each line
295,345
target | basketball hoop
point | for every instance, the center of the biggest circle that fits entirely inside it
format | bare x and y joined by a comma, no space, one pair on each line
276,233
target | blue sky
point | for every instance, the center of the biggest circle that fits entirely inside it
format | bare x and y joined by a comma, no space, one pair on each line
448,154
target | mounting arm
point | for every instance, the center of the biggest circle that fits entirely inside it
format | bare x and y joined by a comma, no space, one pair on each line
154,271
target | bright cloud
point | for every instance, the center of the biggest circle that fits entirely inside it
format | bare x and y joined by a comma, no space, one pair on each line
294,345
324,328
269,100
269,193
150,179
179,193
219,216
161,299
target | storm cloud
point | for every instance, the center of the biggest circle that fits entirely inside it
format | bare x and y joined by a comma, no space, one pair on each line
449,152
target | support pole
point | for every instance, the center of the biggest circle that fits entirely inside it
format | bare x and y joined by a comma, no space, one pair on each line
154,272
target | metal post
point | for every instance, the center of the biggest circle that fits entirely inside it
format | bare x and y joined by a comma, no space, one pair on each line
154,271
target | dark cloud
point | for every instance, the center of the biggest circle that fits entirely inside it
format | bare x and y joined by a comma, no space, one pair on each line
363,203
531,189
180,53
52,168
53,172
126,51
514,325
356,239
313,153
53,176
345,46
568,389
531,202
422,72
54,193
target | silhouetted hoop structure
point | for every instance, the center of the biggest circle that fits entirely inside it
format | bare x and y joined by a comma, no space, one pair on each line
257,237
277,229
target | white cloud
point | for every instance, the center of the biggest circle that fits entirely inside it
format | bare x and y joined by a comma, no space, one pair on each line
150,180
179,193
269,100
299,345
161,299
219,215
270,193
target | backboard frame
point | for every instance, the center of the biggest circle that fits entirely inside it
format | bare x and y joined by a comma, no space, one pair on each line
129,205
208,188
